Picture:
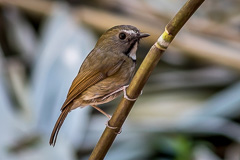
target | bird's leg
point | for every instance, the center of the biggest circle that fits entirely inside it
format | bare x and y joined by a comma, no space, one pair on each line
107,115
126,97
124,93
100,110
118,90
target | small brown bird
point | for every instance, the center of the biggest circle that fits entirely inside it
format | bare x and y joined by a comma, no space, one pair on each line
104,74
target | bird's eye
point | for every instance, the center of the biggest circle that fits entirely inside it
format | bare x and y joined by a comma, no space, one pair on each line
122,36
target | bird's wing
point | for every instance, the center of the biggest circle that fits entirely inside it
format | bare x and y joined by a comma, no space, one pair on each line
85,79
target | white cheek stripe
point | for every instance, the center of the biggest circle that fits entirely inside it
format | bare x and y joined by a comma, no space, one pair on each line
132,53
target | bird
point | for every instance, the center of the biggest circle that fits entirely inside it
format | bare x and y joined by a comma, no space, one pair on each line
104,74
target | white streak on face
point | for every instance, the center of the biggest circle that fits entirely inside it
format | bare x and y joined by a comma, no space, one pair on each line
129,31
132,53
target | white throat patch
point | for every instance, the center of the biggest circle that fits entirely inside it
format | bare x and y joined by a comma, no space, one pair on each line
132,53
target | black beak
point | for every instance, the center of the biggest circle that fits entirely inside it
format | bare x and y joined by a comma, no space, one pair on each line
143,35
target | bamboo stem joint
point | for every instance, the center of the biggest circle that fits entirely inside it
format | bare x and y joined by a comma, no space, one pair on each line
164,40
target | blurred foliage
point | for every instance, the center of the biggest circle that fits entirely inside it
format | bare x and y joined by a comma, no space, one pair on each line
189,109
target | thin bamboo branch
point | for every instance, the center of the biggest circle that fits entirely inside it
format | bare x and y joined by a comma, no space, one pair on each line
142,76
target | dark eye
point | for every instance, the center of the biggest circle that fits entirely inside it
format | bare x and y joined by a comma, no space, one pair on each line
122,36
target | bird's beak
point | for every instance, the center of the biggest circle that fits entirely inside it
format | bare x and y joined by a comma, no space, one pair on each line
143,35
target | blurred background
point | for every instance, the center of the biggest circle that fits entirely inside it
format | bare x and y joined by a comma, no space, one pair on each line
189,109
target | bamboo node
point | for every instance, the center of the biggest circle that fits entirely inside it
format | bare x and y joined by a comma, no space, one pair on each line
164,40
159,46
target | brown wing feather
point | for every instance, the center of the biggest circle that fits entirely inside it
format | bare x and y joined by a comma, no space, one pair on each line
81,83
84,80
87,79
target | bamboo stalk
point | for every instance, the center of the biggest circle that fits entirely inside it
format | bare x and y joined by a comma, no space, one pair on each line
142,76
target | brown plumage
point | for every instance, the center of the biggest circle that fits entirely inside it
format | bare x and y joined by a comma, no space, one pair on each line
107,68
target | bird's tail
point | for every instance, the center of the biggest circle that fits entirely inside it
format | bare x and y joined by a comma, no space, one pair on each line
58,125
